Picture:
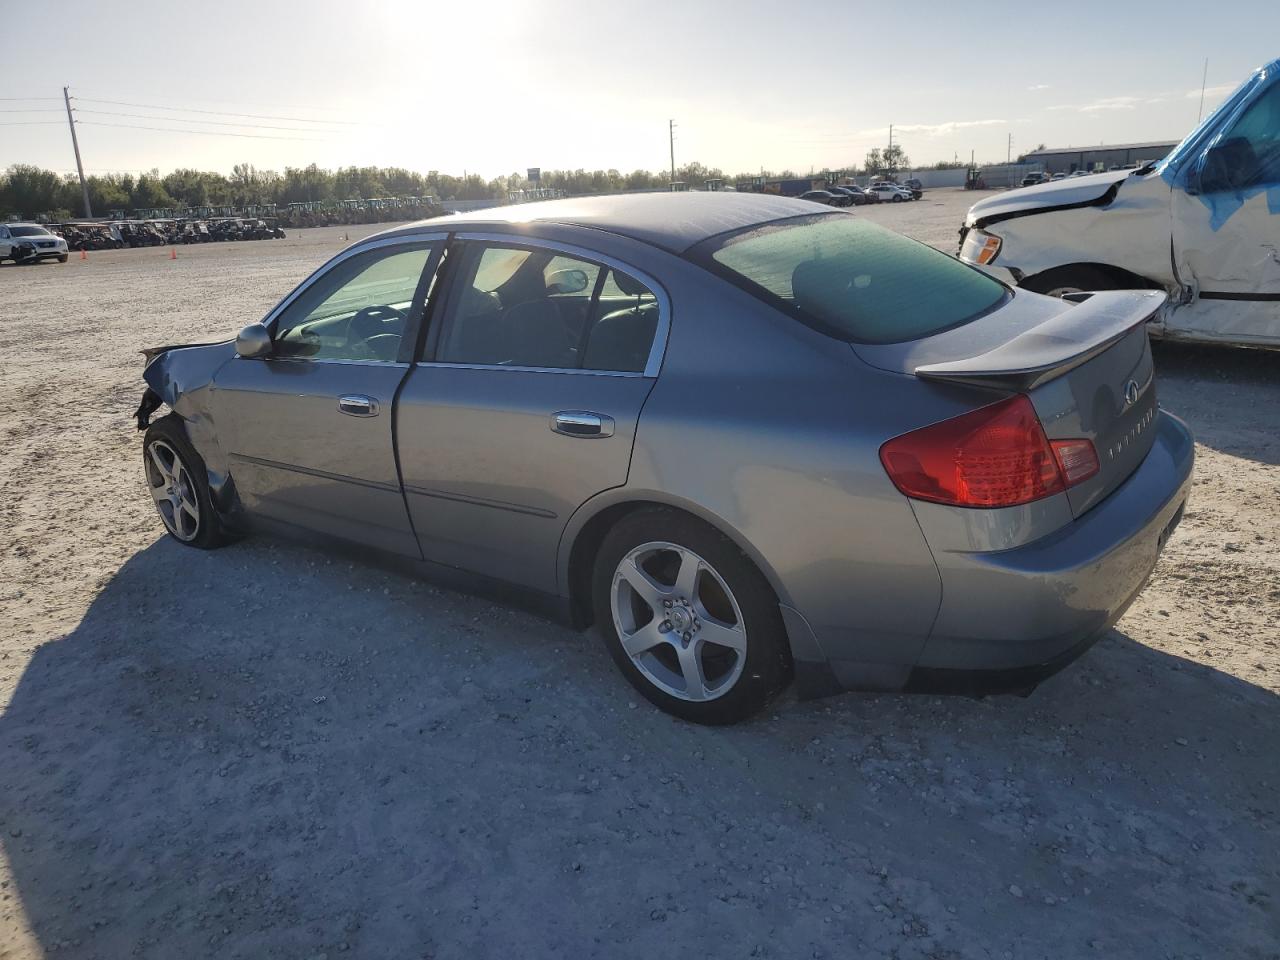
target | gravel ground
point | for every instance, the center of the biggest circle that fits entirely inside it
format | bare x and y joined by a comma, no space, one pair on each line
267,751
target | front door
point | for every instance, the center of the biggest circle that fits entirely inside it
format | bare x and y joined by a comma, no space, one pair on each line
309,430
527,405
1226,231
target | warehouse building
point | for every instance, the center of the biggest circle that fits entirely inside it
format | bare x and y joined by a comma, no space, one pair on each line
1071,159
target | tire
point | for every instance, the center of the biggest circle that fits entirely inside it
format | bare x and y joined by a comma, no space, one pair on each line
726,633
897,198
182,498
62,258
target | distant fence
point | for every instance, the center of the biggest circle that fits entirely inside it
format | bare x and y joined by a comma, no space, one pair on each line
999,175
938,179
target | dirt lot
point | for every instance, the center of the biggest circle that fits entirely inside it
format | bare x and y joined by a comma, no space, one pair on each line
267,751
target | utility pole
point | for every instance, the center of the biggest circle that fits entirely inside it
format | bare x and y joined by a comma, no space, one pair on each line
84,187
1008,153
671,139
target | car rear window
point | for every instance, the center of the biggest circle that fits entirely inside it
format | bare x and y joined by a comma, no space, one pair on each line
852,279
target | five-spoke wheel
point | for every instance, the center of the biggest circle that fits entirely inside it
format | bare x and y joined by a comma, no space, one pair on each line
678,621
172,488
688,618
176,479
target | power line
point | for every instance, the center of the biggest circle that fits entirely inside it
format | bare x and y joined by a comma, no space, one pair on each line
219,123
32,110
215,113
26,123
29,99
207,133
247,103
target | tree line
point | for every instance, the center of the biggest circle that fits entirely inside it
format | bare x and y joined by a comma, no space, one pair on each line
30,191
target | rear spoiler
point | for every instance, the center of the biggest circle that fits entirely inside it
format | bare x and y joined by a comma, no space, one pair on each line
1061,343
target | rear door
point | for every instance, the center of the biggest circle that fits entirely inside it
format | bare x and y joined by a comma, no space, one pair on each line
537,366
308,430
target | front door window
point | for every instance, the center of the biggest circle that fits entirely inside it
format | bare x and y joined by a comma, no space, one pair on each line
359,310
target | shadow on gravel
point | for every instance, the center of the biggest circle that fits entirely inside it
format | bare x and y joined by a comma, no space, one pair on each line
267,752
1228,395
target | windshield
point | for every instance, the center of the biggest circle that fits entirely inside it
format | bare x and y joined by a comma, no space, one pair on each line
29,231
852,279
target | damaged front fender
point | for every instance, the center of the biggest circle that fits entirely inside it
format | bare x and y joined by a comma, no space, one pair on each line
182,377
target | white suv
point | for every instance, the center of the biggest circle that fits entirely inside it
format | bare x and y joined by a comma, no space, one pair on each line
30,243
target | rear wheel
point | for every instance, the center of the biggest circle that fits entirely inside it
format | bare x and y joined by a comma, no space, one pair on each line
688,619
179,486
897,198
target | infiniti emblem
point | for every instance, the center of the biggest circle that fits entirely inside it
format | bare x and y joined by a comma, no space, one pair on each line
1131,393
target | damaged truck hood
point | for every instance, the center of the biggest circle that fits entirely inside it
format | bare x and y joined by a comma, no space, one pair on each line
1097,188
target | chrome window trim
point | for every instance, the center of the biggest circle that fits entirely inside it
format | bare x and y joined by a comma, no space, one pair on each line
351,251
657,350
445,365
337,360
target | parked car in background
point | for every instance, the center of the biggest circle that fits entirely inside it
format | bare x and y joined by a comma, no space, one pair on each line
30,243
827,197
1058,176
1035,179
915,186
985,492
890,192
842,194
860,196
1201,224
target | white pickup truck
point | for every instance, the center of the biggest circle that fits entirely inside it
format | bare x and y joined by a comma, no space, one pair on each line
1202,224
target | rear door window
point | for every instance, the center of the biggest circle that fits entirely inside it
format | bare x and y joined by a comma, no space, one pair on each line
852,279
535,308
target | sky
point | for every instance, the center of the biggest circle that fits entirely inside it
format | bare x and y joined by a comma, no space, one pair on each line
496,87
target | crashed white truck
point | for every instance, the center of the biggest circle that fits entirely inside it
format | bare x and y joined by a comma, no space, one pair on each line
1202,224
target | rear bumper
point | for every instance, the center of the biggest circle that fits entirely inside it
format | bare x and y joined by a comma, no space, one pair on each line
1034,608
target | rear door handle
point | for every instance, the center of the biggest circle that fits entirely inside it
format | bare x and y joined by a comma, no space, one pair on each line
358,405
582,423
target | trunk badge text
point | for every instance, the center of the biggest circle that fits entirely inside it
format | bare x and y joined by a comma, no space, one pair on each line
1119,446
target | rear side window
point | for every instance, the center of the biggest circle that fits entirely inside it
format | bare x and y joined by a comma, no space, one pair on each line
853,280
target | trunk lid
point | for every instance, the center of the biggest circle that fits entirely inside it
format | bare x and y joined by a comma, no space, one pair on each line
1086,367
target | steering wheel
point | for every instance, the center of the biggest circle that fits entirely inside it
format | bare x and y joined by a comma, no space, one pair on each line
372,321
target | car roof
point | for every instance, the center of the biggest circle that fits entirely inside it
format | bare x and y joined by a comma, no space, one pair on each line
673,221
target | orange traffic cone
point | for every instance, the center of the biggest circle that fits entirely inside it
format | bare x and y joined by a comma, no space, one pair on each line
83,255
173,253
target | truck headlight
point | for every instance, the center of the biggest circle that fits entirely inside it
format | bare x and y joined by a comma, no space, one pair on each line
979,247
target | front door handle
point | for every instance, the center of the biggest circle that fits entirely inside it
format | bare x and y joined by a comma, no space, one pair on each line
358,405
582,423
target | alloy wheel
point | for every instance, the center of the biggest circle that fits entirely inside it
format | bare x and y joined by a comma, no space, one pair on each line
678,621
173,490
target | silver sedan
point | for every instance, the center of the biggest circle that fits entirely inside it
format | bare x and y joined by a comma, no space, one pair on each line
753,442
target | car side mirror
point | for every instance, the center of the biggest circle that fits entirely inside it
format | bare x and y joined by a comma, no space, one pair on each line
1229,166
254,342
567,281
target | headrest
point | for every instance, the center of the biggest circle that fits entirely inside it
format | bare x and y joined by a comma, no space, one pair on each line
824,287
629,285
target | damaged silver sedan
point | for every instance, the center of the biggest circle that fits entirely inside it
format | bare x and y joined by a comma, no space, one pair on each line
753,443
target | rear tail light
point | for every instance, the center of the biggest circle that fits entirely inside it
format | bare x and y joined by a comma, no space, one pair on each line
1077,460
997,456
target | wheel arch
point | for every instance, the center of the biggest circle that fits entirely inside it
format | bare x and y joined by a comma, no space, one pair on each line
1123,279
590,523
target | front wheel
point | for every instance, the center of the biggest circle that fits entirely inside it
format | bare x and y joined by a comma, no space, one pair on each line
179,486
897,199
689,619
